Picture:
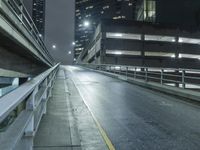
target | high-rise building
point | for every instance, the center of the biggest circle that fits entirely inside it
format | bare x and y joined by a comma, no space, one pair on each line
38,15
88,13
36,9
180,13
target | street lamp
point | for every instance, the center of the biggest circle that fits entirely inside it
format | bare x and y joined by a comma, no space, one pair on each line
73,43
69,52
54,46
86,23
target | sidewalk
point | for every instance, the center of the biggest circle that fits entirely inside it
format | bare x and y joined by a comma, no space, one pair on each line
68,124
56,131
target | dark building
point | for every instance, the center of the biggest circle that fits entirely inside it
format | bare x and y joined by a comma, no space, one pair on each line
39,15
134,43
36,9
182,13
95,10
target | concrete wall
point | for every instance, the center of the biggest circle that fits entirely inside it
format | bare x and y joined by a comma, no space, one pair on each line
21,65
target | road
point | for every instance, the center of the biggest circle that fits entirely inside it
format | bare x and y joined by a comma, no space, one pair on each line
136,118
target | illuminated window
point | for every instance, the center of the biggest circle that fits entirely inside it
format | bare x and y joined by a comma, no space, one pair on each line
159,38
123,52
149,10
189,40
146,11
123,36
160,54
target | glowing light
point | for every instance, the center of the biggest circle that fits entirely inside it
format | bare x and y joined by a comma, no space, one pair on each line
69,52
173,56
73,43
54,46
180,40
117,67
118,35
118,53
86,23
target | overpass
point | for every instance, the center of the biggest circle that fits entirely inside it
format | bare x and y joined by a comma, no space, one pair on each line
22,50
102,107
45,106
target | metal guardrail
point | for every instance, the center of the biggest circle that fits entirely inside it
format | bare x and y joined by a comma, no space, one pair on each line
22,109
18,9
181,78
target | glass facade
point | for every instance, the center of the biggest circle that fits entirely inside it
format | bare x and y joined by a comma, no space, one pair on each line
146,10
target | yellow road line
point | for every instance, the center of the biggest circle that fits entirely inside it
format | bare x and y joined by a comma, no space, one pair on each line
101,130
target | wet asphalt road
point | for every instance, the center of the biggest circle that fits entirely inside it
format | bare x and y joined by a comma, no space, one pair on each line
136,118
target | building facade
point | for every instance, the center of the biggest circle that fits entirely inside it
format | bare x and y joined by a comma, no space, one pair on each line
182,13
135,43
36,9
38,15
93,11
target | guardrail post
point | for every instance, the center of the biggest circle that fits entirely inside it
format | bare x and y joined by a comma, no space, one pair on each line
183,78
29,130
45,84
30,104
110,68
126,73
161,77
146,74
29,134
135,73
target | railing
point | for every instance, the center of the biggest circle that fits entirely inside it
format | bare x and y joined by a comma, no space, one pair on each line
18,9
22,109
181,78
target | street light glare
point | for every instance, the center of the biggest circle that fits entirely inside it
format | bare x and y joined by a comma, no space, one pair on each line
73,43
86,23
69,52
54,46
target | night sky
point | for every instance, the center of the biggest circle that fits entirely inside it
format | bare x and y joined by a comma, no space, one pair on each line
60,29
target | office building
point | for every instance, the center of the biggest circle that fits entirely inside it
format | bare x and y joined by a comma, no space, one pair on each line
184,14
36,9
135,43
88,13
39,15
